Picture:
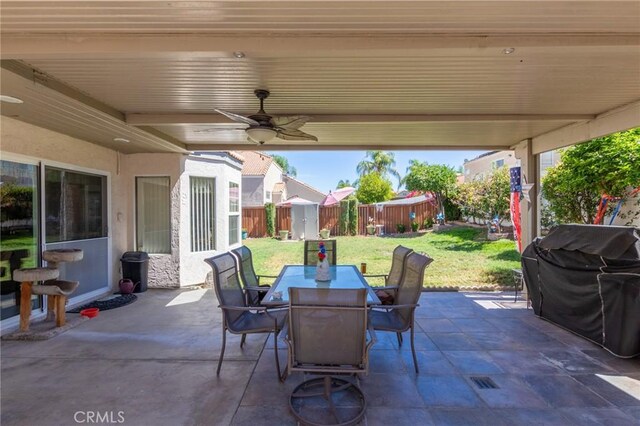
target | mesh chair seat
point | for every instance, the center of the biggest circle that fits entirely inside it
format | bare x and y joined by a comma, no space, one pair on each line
237,316
387,321
250,322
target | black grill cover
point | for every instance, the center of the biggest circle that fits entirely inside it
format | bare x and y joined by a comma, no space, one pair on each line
586,278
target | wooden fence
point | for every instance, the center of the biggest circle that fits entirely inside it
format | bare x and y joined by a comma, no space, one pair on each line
254,218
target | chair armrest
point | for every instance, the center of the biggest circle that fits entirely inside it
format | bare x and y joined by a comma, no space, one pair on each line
390,287
375,275
267,276
389,307
243,308
260,289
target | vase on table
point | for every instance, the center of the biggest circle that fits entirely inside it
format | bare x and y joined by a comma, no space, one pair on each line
322,271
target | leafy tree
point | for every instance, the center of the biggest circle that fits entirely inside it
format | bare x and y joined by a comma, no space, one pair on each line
374,188
486,198
380,162
284,165
436,178
343,184
607,165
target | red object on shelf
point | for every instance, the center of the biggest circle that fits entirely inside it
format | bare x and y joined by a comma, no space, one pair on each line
90,312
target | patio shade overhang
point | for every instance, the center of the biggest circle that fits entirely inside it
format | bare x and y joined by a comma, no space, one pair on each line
334,197
387,75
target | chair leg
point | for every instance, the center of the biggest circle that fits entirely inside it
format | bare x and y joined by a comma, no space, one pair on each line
413,351
275,345
224,342
51,308
242,339
399,336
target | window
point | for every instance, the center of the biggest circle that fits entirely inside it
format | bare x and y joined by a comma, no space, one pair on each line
267,195
234,213
498,163
75,206
153,214
203,216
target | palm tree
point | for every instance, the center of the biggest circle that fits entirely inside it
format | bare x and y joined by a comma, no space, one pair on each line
343,184
380,162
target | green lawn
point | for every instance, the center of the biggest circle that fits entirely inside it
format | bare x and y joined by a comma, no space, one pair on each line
463,257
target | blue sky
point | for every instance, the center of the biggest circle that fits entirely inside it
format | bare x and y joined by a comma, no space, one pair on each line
323,169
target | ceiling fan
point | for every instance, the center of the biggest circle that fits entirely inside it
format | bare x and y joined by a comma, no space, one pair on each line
263,127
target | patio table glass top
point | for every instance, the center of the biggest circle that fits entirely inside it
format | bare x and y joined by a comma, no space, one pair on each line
342,276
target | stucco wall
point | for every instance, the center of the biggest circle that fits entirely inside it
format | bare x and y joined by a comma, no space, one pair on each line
193,269
484,165
252,191
273,176
164,269
295,188
41,144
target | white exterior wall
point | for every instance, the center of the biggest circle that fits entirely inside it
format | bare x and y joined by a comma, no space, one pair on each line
484,165
273,176
252,191
163,268
295,188
193,269
35,143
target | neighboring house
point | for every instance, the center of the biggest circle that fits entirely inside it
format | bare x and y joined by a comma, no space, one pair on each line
260,174
263,181
484,164
180,208
297,188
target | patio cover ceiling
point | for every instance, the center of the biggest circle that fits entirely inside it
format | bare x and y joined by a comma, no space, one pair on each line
371,74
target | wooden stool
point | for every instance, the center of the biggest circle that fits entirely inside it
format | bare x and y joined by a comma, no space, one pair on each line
28,276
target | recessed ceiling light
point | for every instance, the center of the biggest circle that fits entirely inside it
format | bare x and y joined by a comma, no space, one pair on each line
10,99
238,54
508,50
123,140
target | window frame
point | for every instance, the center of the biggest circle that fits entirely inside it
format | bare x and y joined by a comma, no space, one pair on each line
212,219
235,214
135,209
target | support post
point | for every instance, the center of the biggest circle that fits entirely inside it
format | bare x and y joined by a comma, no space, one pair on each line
528,210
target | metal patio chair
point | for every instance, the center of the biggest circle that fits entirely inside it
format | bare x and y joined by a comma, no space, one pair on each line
237,316
400,316
311,251
250,280
328,334
394,277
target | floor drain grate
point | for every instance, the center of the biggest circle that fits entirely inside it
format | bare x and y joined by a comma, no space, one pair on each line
484,382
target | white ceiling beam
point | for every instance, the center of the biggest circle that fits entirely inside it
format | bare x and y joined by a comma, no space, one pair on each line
141,119
316,147
63,46
616,120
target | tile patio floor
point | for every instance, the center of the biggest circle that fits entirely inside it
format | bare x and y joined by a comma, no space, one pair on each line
155,361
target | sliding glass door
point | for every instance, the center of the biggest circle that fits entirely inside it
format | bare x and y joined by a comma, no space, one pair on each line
75,215
19,239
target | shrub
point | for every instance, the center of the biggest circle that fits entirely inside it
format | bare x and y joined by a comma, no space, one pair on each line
353,216
428,223
343,224
270,214
401,228
415,226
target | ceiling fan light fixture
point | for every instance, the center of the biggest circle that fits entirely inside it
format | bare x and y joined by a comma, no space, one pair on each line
261,134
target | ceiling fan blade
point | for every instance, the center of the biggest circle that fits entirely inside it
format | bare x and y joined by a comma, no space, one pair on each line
218,129
290,122
294,135
237,117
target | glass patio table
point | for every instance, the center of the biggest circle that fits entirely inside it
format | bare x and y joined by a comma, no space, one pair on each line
342,276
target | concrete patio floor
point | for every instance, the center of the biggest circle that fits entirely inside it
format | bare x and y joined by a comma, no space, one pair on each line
154,361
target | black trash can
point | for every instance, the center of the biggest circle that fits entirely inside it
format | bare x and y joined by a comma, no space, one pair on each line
135,266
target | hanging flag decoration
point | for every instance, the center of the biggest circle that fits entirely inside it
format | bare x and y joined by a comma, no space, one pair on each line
514,205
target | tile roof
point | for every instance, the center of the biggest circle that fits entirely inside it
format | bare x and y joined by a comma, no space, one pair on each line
278,187
236,155
255,163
